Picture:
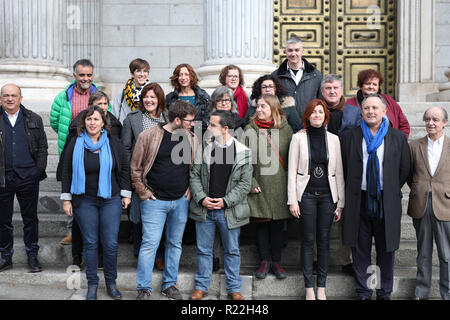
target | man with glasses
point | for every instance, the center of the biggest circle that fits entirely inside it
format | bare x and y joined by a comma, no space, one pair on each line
160,165
300,78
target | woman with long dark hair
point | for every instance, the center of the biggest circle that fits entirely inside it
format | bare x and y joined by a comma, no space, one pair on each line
270,84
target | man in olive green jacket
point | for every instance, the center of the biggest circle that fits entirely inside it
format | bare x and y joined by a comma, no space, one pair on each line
220,181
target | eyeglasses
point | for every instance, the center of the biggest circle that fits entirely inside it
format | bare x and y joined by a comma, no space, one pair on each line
232,76
189,121
268,87
224,101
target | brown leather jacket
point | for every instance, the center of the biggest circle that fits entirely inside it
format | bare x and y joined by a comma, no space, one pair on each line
145,151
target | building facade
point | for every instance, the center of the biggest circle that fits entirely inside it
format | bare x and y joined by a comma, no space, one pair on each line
406,40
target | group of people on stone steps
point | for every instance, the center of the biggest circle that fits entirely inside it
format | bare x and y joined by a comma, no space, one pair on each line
296,149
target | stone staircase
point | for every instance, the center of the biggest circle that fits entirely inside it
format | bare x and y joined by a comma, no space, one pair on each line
56,258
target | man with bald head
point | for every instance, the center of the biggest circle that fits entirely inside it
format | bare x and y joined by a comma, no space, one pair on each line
23,160
429,201
376,163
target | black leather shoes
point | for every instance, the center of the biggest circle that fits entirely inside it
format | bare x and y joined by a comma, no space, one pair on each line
113,292
34,265
92,293
5,264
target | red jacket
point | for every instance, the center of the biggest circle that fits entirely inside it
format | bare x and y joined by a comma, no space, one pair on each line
395,114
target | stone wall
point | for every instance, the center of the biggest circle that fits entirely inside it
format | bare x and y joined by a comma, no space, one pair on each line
442,39
164,32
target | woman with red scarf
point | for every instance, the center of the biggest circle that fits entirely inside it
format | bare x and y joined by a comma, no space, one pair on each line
268,135
232,77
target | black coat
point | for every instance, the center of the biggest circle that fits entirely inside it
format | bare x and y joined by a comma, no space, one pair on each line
201,103
37,142
121,164
115,129
307,89
396,168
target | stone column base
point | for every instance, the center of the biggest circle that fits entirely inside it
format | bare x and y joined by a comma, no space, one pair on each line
209,75
38,82
415,92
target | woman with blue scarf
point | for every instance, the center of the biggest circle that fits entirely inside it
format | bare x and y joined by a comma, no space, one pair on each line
95,187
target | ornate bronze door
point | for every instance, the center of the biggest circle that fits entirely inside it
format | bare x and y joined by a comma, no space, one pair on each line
341,36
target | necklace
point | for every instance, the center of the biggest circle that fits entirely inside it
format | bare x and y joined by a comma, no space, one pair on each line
318,173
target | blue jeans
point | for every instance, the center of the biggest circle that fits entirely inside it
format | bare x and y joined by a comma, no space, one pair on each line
205,233
154,214
97,216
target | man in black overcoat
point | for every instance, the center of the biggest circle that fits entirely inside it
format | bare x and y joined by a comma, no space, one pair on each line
374,175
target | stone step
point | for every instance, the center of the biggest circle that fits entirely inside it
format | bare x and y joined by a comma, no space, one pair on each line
420,132
417,107
339,286
52,221
53,253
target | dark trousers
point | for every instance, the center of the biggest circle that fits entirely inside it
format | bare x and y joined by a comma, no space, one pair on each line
99,220
269,238
368,277
316,219
27,192
77,243
427,228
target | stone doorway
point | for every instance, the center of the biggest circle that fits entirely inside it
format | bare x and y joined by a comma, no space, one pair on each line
341,37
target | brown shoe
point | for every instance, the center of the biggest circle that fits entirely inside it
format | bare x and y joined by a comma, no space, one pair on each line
419,298
198,295
159,263
67,240
236,296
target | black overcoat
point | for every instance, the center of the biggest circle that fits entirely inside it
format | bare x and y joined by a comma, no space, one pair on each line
396,168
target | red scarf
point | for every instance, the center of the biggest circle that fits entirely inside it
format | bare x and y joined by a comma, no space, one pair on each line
264,124
242,101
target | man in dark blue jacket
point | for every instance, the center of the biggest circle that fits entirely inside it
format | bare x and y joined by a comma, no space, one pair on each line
342,116
23,160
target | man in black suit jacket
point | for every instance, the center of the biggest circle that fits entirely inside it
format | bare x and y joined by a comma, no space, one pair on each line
362,180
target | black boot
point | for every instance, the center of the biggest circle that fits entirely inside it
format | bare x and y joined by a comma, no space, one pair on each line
92,293
113,292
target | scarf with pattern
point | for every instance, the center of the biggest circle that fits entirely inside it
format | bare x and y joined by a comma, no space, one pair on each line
132,94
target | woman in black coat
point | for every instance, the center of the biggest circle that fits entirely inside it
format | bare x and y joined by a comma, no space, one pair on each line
95,187
185,83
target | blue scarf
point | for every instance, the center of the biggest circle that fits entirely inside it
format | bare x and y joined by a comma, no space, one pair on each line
374,203
78,173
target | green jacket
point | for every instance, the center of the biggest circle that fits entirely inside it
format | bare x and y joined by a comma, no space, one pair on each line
268,172
61,113
237,211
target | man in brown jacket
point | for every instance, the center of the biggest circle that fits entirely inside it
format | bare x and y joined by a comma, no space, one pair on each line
429,201
160,166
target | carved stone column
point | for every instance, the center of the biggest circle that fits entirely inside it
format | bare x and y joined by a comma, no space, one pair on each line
31,47
416,50
237,32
